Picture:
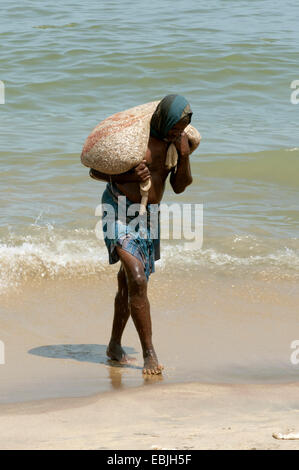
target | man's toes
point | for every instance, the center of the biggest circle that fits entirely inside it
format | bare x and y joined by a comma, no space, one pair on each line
155,371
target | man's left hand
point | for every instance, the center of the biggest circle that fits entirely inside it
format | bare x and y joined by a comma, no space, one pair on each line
182,145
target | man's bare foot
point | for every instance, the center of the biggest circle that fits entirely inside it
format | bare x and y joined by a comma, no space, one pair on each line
117,353
151,364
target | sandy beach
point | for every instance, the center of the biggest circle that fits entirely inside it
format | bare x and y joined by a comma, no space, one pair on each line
183,416
228,381
224,313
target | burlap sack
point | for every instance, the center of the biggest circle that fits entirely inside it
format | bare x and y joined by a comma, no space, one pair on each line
120,142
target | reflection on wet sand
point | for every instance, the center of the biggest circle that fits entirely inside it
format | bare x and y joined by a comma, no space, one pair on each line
116,371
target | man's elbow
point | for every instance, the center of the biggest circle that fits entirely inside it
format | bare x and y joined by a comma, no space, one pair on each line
181,189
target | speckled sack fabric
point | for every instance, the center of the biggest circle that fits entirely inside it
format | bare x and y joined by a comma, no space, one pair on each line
120,142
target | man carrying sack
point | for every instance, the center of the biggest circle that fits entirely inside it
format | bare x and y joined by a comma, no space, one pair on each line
138,250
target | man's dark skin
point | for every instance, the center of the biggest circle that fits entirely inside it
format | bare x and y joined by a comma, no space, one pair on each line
131,297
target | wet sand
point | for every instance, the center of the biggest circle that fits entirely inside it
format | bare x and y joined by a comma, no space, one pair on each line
178,416
225,344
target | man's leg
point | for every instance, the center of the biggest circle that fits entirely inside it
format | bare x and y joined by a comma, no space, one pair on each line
121,316
140,308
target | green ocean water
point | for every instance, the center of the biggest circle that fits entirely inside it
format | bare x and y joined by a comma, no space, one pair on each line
66,66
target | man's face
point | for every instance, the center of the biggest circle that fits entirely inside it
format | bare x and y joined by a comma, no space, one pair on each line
175,131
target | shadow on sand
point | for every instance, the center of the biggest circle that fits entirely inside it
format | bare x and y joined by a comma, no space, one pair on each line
94,353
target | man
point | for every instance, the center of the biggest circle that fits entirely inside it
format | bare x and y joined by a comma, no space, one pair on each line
137,254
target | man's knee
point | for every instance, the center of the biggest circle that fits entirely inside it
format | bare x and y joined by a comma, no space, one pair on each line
138,284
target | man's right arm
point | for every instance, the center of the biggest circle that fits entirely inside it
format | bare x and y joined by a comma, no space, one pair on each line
127,177
137,174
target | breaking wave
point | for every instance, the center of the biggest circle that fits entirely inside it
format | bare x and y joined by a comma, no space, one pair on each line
49,253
